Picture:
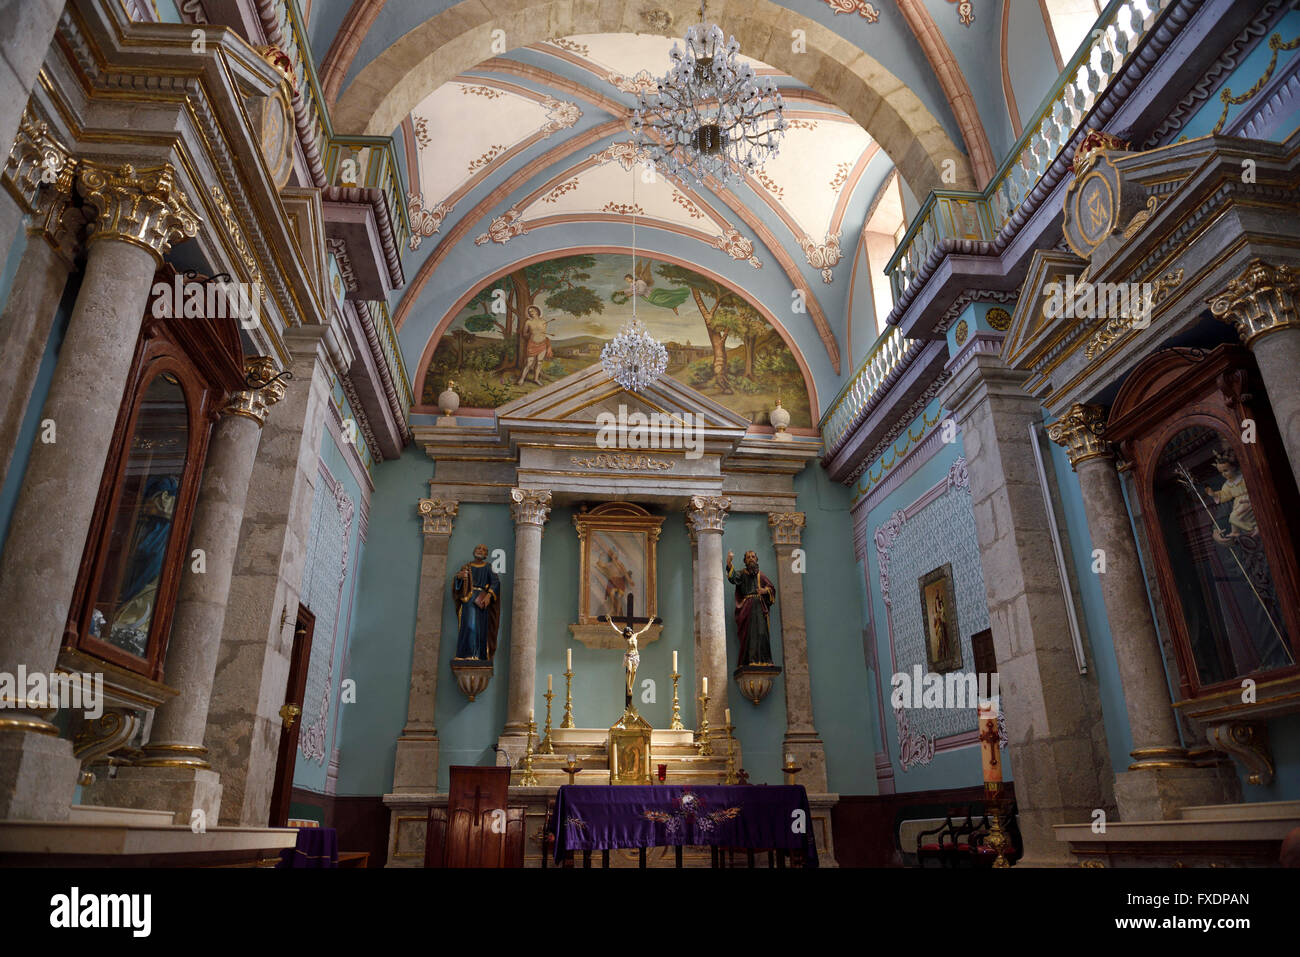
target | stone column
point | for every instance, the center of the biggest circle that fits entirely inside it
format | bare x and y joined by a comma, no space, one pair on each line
42,174
1262,304
140,213
707,515
244,720
174,774
416,767
1161,779
1053,713
531,508
801,738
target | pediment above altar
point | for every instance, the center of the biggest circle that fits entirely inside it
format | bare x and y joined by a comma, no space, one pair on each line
586,438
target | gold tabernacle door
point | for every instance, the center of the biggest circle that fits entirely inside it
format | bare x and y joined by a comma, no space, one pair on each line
629,750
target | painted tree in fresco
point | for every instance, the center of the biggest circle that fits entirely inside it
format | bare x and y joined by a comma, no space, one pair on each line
710,298
744,323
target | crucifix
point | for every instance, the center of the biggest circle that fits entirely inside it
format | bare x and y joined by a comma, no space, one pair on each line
632,657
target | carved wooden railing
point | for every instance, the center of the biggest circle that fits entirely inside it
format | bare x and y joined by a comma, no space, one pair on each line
950,218
392,352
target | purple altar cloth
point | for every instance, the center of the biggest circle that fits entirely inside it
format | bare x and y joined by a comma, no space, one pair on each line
600,817
317,847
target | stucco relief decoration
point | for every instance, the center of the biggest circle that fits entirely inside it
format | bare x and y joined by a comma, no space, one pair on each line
824,255
560,115
487,92
424,222
691,209
621,462
623,209
625,154
965,11
737,247
913,749
937,527
326,574
504,228
573,46
421,126
867,11
639,82
484,159
567,186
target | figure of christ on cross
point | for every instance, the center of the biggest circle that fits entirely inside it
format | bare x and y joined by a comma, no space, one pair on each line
632,657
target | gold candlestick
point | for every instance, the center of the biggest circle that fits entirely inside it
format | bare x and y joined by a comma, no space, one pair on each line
732,777
547,747
568,700
702,744
528,778
790,770
677,707
998,838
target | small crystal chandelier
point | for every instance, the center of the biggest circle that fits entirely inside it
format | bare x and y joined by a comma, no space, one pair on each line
711,115
633,358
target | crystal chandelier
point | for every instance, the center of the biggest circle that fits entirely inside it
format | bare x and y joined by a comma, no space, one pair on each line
711,116
633,358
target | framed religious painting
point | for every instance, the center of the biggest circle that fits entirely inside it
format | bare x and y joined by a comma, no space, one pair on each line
1218,502
618,542
939,619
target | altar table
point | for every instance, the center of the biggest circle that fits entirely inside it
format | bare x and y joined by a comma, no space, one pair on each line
601,817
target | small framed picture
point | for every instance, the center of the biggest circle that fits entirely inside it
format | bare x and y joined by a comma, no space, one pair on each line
939,617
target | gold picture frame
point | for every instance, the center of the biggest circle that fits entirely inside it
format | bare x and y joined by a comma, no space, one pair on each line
939,620
618,543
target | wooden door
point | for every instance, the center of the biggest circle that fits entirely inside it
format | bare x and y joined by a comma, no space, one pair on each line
291,713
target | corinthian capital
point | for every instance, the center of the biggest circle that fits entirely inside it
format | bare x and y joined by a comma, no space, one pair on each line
530,506
707,513
1079,432
141,206
265,389
1260,300
438,515
36,159
786,527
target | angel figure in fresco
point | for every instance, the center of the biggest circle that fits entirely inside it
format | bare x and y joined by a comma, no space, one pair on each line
537,345
640,284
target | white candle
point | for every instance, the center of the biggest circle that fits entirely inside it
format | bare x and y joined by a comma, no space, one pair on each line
530,714
789,760
727,715
573,758
548,682
674,659
570,660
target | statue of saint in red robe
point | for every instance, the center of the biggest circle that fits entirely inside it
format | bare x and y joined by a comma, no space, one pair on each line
755,594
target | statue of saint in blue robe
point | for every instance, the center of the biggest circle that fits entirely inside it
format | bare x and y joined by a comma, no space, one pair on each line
477,590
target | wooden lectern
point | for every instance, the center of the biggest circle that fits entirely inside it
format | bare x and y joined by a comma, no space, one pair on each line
477,828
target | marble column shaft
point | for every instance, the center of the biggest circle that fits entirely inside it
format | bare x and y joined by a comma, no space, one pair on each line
1263,302
708,516
257,635
29,312
531,509
801,738
416,766
1054,723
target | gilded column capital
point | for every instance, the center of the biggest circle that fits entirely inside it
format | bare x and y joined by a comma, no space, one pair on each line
438,513
530,506
37,159
265,389
707,513
144,206
787,527
1079,433
1260,300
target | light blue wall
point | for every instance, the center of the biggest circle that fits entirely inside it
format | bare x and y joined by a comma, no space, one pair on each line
1030,62
384,624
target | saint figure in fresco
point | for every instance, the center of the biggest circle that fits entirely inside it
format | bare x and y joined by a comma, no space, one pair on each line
755,594
537,345
477,590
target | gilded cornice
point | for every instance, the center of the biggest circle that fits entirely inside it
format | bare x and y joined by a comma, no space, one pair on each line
1079,432
145,207
1262,299
786,527
438,514
37,159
